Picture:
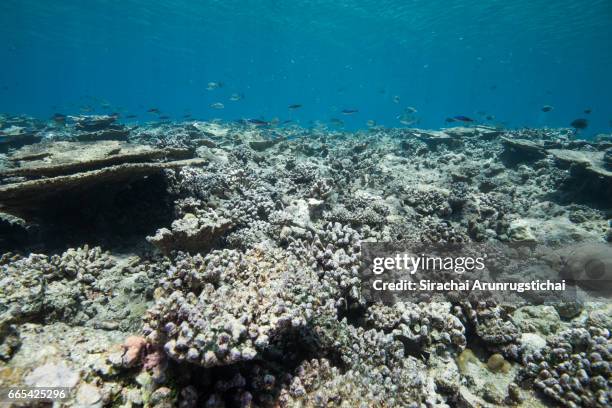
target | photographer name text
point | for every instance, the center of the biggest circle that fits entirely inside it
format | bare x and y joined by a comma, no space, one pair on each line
426,285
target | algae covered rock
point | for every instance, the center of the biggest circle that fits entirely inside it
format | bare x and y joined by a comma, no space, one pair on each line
590,173
17,136
93,122
191,233
45,171
520,231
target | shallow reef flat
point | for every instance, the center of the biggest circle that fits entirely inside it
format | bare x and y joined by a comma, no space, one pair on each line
216,264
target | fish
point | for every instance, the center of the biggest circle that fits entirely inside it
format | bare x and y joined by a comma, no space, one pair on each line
462,118
450,120
214,85
187,116
217,105
407,120
164,117
579,124
371,123
258,122
490,117
131,116
153,110
235,97
294,106
336,122
59,118
588,111
396,99
349,111
547,108
410,109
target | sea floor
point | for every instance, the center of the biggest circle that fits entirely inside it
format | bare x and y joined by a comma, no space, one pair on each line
215,264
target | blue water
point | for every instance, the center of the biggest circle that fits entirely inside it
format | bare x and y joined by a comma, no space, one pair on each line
442,57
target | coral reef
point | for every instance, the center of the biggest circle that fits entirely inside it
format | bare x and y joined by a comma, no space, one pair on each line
574,367
239,283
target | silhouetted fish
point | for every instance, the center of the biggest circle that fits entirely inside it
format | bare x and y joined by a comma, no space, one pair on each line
59,118
547,108
187,116
588,111
462,118
450,120
349,111
153,110
131,116
579,124
294,106
164,117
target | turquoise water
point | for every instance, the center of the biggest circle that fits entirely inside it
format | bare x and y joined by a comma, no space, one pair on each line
444,58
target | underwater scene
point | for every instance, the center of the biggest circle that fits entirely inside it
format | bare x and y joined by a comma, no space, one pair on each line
268,203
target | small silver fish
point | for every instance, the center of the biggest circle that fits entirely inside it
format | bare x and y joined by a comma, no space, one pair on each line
217,105
214,85
236,97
